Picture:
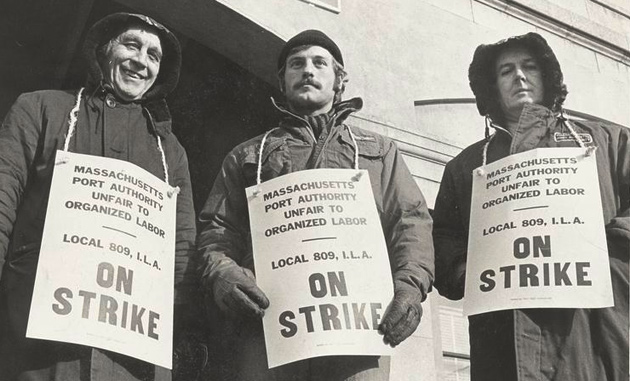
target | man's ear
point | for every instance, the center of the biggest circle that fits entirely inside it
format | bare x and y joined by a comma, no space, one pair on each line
339,85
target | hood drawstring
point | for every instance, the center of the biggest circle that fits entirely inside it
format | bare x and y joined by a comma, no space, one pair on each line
72,122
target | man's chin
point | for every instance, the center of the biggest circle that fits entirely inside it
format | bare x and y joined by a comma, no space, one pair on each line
128,95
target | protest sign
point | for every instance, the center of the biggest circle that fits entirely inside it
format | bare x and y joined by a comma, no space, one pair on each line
537,234
320,256
106,266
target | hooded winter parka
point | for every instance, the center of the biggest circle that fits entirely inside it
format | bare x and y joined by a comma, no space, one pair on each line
224,239
542,344
33,130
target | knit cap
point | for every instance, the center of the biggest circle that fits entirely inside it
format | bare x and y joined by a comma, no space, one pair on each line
310,37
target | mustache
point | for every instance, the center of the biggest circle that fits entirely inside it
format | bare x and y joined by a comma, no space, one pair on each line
308,81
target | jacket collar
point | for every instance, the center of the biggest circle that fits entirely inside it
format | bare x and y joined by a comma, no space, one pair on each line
534,124
339,112
157,110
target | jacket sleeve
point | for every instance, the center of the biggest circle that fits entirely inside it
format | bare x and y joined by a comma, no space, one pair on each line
407,225
186,279
618,229
19,137
223,223
451,239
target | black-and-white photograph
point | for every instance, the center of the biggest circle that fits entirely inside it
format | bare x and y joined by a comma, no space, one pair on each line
314,190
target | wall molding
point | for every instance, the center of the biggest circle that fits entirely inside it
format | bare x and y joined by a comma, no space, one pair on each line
568,25
410,143
623,11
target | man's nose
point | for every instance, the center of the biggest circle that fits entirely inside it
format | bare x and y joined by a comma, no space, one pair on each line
140,58
308,69
520,75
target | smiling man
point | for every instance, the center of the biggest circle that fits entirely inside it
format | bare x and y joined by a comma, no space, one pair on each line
519,88
133,63
312,134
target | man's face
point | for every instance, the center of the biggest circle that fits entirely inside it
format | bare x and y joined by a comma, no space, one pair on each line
519,81
132,62
309,81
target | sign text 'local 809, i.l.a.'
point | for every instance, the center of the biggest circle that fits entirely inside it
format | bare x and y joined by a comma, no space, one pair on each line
105,272
320,256
537,234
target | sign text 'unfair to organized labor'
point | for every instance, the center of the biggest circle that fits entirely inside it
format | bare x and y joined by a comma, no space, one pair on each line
536,234
106,267
317,233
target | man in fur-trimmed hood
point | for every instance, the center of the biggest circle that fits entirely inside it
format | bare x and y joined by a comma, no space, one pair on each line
133,64
519,88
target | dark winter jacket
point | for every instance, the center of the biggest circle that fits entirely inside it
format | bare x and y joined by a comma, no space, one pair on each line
33,130
291,148
542,344
224,239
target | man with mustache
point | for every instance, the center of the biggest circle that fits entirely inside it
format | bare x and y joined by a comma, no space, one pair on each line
519,88
133,63
312,134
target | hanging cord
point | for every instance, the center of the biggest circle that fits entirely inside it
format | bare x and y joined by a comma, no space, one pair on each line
259,169
260,153
590,149
485,150
356,155
72,122
356,148
484,161
163,155
173,190
488,139
488,122
262,146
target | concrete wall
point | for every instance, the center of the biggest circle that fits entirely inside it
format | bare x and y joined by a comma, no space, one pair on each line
399,52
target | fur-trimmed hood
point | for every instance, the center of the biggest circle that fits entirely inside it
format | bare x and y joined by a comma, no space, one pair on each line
482,76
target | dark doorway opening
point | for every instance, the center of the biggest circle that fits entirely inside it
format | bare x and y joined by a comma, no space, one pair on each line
217,104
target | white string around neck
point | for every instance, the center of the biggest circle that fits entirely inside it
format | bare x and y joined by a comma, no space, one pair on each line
72,122
589,149
264,139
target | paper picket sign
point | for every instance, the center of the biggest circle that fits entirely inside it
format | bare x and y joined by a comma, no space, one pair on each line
536,237
320,257
106,266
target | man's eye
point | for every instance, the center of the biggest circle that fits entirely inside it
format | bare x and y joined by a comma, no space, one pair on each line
320,63
295,64
155,58
131,45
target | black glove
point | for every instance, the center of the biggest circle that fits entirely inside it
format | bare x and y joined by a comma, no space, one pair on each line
236,293
403,316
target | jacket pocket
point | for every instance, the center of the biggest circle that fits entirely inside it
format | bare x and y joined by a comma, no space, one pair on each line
370,146
273,161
